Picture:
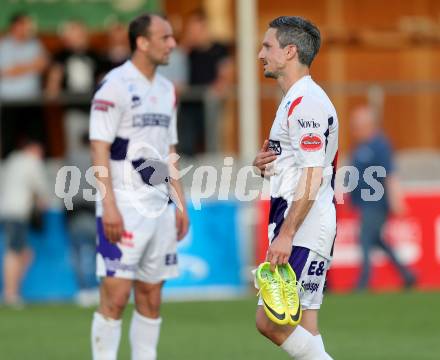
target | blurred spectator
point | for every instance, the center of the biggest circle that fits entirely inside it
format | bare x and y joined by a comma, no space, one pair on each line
22,61
118,49
207,60
75,71
373,149
75,67
81,223
24,188
205,55
177,69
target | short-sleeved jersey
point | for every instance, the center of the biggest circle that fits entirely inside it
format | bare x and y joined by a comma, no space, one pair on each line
138,118
305,134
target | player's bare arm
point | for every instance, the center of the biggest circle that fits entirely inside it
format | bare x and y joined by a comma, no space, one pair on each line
182,220
264,158
111,218
307,188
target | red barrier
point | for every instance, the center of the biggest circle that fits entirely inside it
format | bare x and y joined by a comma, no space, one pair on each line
415,237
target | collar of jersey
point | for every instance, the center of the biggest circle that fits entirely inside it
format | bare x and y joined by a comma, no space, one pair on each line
135,73
296,85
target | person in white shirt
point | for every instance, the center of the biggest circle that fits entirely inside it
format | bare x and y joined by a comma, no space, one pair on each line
133,135
300,159
23,187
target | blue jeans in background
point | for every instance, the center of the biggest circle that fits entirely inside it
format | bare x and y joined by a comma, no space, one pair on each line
372,221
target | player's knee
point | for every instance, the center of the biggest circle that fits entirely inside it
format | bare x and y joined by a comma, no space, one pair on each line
114,305
148,301
149,310
149,306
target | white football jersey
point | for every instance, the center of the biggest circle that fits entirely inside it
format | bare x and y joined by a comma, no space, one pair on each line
138,117
305,134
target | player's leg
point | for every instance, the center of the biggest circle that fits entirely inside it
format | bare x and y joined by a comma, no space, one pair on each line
148,298
299,343
274,332
313,280
309,321
159,262
107,323
146,321
116,265
114,295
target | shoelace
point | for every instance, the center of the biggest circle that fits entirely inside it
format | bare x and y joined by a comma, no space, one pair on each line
290,293
273,286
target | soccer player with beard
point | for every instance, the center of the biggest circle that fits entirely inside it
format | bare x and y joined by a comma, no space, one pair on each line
300,159
132,133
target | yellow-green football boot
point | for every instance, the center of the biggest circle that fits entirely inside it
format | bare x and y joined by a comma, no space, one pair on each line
291,295
271,292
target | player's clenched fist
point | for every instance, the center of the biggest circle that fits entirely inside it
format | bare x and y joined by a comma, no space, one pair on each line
264,158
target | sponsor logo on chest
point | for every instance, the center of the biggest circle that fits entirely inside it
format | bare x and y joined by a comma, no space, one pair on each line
151,119
311,142
308,124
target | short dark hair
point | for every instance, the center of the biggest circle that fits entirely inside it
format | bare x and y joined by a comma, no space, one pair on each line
17,17
294,30
139,27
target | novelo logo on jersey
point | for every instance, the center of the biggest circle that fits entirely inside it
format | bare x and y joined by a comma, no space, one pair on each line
311,142
305,124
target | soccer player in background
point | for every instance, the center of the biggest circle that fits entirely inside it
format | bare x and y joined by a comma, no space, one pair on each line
132,133
300,158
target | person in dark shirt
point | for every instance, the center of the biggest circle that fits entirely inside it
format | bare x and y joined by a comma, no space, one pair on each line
75,68
373,150
74,72
118,48
205,63
208,60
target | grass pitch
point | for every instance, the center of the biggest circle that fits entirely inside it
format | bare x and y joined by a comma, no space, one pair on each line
400,326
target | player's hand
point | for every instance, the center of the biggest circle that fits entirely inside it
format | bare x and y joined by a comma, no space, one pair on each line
113,224
264,157
182,223
279,251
